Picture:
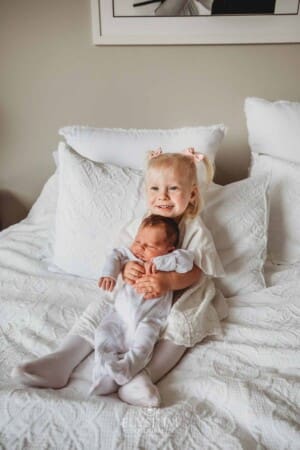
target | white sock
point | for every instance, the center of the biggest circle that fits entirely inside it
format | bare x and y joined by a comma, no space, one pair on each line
55,369
140,391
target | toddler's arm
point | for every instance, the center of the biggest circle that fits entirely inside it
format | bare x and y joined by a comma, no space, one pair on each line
157,284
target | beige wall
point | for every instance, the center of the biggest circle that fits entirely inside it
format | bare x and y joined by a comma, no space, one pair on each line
51,75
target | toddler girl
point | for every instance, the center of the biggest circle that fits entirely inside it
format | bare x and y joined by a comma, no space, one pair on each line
125,339
172,190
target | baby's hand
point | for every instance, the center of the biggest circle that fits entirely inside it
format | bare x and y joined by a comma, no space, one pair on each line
132,271
106,283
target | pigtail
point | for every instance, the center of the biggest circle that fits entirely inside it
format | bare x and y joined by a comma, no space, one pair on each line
200,161
209,169
200,158
154,153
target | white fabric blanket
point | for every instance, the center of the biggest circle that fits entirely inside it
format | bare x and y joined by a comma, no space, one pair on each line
239,392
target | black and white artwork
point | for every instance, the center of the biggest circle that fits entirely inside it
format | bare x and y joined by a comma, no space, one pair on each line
184,22
177,8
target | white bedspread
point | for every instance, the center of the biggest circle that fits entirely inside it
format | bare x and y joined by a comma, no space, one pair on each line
240,392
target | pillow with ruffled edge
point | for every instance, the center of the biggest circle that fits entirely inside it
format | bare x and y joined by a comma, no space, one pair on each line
284,226
95,200
237,216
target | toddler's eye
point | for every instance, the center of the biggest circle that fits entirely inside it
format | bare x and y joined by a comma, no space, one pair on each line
173,188
153,188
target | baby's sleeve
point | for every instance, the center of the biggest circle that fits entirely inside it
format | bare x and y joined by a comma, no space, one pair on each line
198,239
180,261
114,263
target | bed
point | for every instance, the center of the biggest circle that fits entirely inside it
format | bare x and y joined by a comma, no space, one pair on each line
238,391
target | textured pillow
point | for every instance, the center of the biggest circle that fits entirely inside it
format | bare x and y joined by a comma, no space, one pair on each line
127,148
274,128
237,216
284,226
96,200
94,203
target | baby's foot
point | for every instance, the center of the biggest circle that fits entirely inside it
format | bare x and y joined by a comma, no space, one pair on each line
105,385
48,372
140,391
119,371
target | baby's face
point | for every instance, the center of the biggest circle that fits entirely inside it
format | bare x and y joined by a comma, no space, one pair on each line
151,242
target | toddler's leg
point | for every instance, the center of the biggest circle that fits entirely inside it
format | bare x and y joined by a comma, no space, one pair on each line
141,391
55,369
165,357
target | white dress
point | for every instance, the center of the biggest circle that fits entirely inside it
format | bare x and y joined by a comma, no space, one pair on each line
197,311
125,338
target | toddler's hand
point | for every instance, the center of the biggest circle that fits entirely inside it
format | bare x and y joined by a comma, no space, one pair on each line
106,283
153,285
132,271
150,268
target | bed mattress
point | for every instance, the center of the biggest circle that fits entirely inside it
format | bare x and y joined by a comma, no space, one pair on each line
238,392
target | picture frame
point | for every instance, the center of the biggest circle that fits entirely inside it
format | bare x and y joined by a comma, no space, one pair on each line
107,29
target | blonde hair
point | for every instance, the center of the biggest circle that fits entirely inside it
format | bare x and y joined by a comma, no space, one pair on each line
188,166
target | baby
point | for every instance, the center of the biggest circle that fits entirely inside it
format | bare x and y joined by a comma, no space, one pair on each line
126,337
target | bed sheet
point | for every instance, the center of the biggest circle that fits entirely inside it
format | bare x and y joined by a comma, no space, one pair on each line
238,392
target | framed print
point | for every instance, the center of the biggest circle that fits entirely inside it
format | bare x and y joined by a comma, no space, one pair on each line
175,22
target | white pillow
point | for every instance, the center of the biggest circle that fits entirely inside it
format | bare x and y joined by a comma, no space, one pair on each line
274,128
284,226
127,148
45,204
96,200
237,216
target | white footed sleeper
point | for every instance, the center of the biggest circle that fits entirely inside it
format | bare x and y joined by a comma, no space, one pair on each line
125,339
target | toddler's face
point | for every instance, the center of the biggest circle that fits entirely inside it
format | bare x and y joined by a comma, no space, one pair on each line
151,242
168,192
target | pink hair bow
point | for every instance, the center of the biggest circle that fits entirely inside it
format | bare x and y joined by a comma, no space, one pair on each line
193,154
155,153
